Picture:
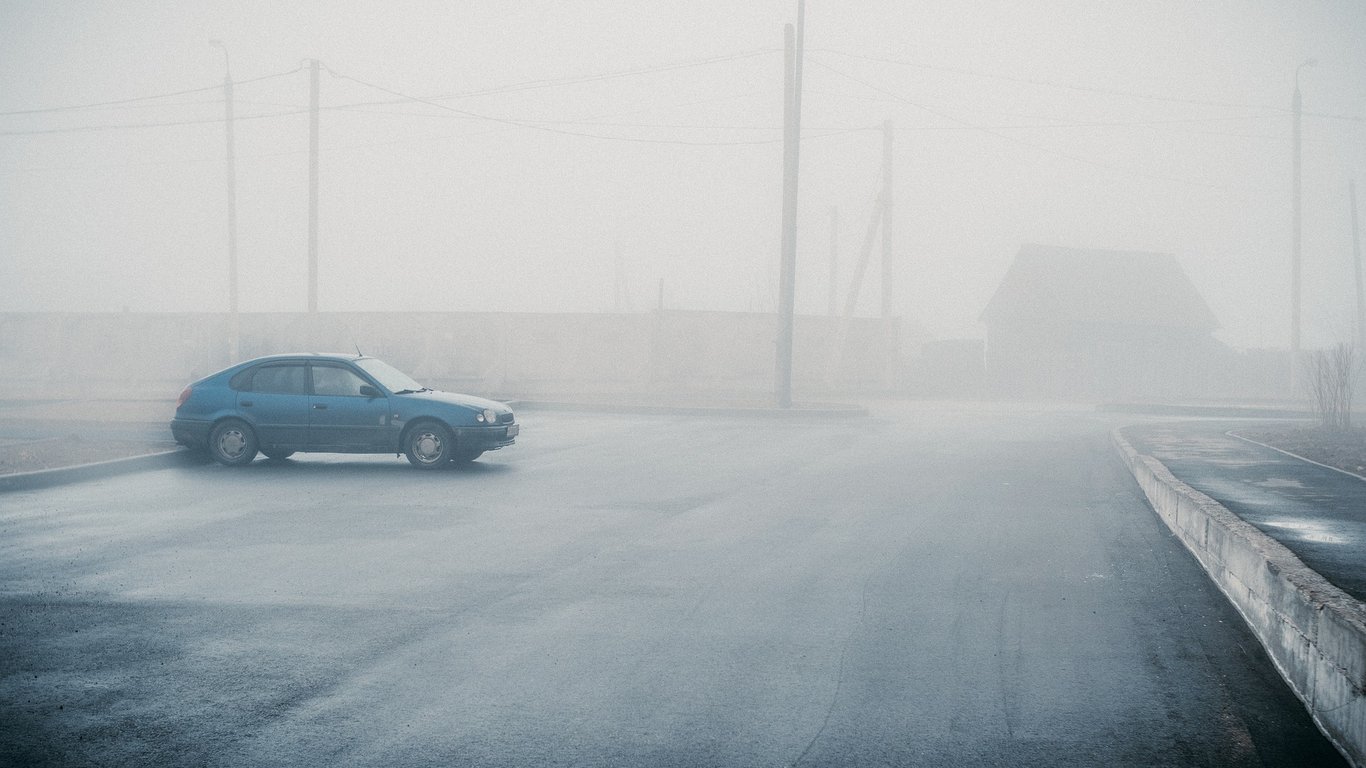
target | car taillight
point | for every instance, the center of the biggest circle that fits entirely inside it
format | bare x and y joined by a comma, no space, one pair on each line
184,395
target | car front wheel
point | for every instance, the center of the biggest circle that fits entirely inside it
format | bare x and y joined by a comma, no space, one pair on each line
428,445
233,443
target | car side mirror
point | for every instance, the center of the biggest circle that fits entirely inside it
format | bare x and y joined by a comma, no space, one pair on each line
369,391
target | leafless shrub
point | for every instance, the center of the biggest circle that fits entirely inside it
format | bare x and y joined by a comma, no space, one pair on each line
1332,375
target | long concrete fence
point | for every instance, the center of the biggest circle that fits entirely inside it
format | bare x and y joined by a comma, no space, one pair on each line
1314,632
75,354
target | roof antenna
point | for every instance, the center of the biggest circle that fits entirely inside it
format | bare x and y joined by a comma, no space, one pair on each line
358,352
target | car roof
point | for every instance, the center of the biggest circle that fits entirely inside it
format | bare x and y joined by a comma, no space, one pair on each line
305,356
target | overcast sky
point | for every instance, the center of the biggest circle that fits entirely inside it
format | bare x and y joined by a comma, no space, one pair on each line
532,156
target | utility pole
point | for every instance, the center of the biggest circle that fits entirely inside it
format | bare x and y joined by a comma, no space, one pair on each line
1295,108
1356,259
887,219
313,188
792,108
234,327
834,256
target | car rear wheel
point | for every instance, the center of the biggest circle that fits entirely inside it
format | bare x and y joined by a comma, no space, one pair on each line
233,443
428,445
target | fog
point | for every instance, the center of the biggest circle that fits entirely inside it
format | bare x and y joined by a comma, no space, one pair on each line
550,156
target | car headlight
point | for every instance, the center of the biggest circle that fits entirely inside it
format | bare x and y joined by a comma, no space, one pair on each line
487,417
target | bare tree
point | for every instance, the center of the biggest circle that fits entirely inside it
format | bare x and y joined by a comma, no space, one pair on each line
1332,374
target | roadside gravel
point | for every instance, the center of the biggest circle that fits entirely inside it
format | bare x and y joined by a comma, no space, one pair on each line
70,450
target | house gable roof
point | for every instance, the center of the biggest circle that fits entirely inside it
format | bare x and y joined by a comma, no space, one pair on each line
1097,287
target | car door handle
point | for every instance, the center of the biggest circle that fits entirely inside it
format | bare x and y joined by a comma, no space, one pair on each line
320,406
247,403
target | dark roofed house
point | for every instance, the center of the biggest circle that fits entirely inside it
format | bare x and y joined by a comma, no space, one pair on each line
1098,324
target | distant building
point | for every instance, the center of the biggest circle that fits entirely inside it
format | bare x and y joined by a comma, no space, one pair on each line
1099,325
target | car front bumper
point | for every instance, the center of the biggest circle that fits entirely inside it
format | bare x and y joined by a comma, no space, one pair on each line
487,438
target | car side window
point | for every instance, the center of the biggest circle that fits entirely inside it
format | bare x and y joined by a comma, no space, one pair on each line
335,380
280,380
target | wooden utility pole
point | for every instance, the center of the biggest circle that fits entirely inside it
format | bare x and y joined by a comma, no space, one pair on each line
834,257
1356,259
887,219
792,107
619,300
865,254
234,325
313,188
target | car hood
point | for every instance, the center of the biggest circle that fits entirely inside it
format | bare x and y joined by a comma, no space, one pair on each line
455,398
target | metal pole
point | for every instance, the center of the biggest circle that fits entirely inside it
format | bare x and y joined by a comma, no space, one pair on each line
619,288
234,345
1295,246
1295,108
233,340
313,188
834,257
887,219
787,260
1356,258
792,107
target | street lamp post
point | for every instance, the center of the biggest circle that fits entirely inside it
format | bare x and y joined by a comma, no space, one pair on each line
233,345
1295,246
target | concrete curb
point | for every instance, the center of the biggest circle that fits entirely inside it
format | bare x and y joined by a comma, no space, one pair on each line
1209,411
800,412
62,475
1314,632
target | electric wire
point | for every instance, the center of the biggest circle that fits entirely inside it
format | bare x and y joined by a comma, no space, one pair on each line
136,99
1007,137
1087,88
531,125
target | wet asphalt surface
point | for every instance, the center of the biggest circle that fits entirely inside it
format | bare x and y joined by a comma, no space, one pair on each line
1316,512
932,585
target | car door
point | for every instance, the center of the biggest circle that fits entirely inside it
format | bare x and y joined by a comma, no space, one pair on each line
275,402
342,416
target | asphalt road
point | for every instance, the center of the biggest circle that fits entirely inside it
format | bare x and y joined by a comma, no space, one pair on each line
1316,512
932,585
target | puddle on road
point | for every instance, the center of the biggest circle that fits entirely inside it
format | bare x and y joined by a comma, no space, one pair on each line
1306,530
1279,482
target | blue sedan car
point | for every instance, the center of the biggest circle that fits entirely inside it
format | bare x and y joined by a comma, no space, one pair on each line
281,404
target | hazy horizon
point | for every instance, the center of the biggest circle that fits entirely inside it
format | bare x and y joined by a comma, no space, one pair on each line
482,157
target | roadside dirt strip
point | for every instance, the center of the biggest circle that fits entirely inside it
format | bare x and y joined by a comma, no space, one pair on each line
43,478
1314,632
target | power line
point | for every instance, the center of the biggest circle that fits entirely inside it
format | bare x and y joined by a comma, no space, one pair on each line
1048,83
547,129
553,83
558,82
1007,137
136,99
1088,89
138,126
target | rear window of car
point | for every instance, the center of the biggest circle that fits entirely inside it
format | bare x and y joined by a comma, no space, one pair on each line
277,379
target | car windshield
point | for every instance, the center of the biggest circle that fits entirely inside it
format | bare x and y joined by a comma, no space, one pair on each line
389,377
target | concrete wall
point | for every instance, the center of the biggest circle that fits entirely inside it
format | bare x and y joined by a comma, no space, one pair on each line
75,354
1314,632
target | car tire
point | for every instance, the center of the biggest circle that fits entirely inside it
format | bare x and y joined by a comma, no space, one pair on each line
232,442
276,455
428,445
